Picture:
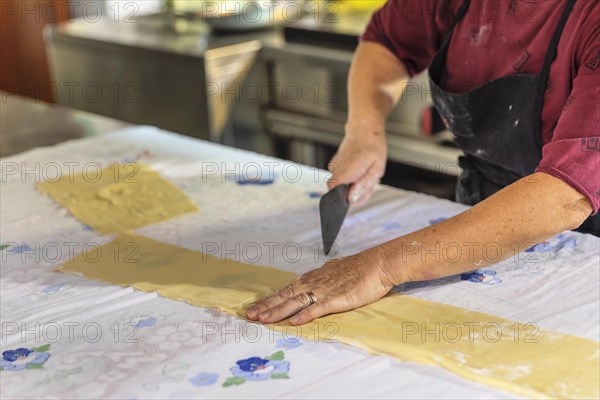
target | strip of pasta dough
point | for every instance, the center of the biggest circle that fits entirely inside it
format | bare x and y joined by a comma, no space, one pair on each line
483,348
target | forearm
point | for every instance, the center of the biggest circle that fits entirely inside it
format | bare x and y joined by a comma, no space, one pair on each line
525,213
375,83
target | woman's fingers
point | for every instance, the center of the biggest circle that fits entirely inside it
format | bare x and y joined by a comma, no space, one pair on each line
362,189
339,285
320,308
341,174
285,309
364,182
266,303
301,309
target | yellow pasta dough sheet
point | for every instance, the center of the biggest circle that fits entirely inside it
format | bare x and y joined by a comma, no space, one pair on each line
512,356
119,197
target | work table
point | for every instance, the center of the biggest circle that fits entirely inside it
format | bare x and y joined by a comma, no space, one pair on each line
126,343
26,123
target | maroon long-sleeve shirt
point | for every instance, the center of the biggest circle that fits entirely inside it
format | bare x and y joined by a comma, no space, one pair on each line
503,37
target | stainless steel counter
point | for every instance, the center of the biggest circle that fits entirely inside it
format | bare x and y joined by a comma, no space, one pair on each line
153,70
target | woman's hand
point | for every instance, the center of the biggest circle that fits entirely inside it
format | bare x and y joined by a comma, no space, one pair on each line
339,285
360,160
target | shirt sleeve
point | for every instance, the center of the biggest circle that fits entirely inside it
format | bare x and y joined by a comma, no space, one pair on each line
573,154
410,29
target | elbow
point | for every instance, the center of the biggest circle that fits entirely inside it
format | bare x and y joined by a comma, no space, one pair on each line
571,207
576,212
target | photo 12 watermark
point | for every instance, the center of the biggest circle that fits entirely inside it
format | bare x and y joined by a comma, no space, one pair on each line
255,252
133,11
91,332
53,252
73,92
69,172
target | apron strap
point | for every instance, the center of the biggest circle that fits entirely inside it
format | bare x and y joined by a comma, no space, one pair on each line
435,68
545,72
553,46
460,14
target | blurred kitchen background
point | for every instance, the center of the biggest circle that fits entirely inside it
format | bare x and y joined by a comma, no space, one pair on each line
267,76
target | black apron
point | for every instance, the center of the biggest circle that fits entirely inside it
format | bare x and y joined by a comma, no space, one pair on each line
497,125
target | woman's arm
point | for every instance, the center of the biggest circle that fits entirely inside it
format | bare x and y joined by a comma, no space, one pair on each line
527,212
523,214
376,81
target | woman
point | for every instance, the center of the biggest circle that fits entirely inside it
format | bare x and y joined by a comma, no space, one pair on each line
518,84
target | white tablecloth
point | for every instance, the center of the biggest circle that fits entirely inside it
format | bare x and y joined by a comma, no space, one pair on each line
82,338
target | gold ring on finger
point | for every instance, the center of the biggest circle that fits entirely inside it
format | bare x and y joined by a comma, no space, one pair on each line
311,297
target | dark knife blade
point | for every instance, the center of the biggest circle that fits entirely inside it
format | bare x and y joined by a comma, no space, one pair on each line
333,208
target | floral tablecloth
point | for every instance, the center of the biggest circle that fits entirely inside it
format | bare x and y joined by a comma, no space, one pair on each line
67,337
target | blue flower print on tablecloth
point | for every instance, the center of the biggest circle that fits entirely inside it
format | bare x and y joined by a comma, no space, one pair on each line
555,244
144,322
483,276
203,379
390,226
259,369
53,288
253,178
437,220
16,248
142,155
315,195
288,343
22,358
128,160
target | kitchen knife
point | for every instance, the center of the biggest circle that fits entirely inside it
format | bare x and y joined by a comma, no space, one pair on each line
333,208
